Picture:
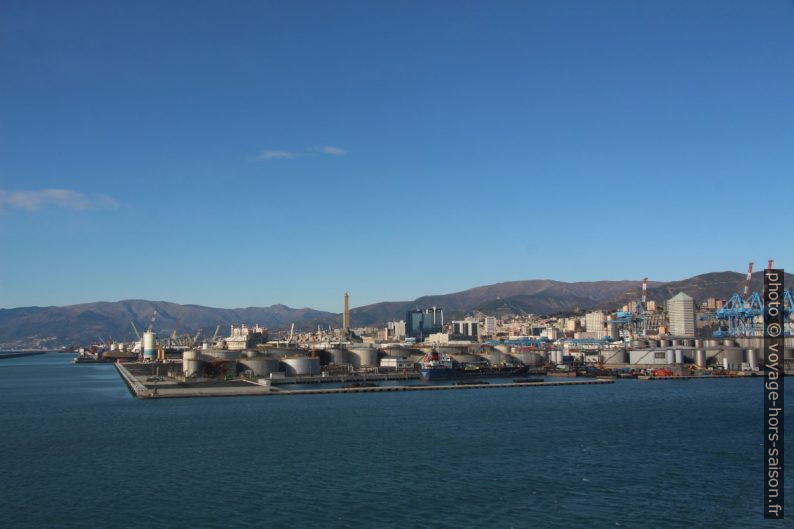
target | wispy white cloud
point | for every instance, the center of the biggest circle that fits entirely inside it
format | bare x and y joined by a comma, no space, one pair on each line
37,199
329,150
277,155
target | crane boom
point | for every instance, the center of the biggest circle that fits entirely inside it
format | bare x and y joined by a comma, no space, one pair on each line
644,292
746,290
151,322
134,328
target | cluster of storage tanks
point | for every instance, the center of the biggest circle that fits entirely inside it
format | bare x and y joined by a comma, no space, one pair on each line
298,362
729,353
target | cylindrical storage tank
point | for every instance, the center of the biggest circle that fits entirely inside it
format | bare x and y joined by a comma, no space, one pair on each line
665,343
261,366
752,359
148,345
497,356
689,356
669,356
689,342
712,343
639,344
395,351
612,329
559,355
698,344
338,356
700,358
301,366
363,357
451,350
190,363
677,343
611,357
468,359
282,352
223,354
679,356
529,358
729,343
725,364
734,356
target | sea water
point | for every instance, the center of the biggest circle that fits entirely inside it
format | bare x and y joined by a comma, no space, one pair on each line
79,451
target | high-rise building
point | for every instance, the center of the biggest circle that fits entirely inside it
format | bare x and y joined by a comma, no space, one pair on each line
595,322
468,328
489,325
681,315
422,323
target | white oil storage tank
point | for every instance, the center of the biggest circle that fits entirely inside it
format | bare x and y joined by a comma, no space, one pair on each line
261,366
700,358
223,354
191,363
301,366
338,356
612,357
528,358
363,357
752,359
148,345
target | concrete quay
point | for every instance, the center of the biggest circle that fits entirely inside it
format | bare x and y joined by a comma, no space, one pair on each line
171,389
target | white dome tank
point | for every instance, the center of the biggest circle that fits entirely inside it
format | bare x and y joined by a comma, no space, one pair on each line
301,366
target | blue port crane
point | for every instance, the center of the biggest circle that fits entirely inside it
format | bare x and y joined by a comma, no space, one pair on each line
633,320
739,315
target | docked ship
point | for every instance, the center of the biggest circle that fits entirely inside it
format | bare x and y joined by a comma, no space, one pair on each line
440,366
435,366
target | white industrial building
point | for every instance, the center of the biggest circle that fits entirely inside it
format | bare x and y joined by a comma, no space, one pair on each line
681,315
595,321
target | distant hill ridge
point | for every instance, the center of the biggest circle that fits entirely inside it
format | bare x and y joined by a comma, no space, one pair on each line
87,322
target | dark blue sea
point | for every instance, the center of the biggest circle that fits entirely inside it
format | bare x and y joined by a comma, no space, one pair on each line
79,452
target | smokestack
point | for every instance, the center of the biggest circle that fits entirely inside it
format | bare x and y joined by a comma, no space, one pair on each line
346,314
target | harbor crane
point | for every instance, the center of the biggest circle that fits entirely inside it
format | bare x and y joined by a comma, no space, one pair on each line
150,328
173,333
746,290
738,316
633,320
134,328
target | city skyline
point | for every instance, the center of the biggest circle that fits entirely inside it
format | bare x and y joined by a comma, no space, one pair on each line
253,154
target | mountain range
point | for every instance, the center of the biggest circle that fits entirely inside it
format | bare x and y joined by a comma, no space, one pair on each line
88,322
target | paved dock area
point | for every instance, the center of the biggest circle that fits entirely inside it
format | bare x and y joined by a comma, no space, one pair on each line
144,387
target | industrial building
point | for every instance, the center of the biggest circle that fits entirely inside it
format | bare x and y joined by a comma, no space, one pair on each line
681,315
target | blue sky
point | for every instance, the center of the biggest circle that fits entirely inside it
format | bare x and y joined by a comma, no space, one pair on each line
248,153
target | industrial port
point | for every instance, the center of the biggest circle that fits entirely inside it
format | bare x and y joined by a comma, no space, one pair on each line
640,340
